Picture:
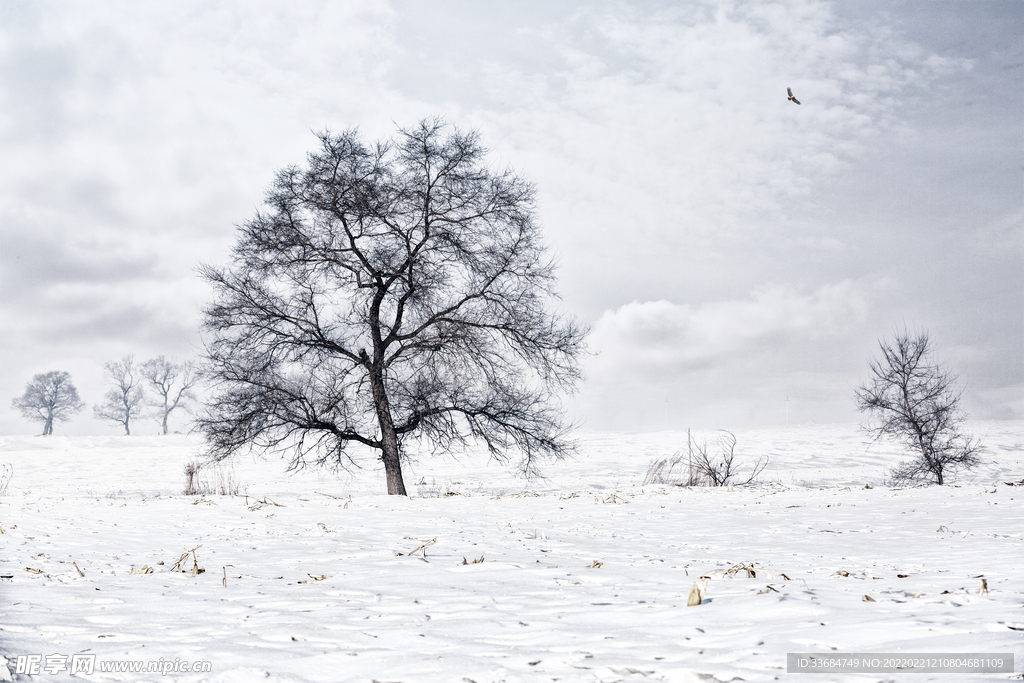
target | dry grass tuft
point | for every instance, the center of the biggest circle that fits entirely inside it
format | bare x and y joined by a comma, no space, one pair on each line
180,565
6,474
678,470
209,479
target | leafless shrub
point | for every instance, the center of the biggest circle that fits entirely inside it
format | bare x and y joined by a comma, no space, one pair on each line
699,467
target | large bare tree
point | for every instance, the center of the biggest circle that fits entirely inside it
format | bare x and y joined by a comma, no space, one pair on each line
172,383
50,397
123,402
390,290
915,402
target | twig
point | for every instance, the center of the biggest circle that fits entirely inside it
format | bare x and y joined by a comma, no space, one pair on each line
261,503
422,548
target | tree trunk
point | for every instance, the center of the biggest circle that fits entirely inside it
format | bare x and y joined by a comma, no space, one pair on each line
165,418
48,422
393,466
390,454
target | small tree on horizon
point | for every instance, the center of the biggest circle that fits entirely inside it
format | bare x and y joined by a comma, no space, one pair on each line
389,291
50,397
123,402
172,383
915,402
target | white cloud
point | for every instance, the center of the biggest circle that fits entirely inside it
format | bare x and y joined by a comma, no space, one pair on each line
662,339
745,361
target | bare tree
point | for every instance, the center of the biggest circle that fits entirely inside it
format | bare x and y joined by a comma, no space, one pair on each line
123,402
915,402
387,291
172,382
50,397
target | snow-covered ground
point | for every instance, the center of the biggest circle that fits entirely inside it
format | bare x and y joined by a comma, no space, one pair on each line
584,575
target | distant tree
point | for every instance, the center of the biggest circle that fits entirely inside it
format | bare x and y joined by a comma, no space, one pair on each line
172,383
387,291
123,402
50,397
914,402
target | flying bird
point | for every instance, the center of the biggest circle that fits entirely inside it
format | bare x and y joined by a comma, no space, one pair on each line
790,91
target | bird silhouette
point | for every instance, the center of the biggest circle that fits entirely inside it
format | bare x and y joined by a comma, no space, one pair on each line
790,91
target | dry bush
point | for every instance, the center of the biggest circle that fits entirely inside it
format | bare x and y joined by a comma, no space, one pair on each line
699,467
207,479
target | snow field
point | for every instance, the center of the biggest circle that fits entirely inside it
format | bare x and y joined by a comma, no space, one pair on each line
585,575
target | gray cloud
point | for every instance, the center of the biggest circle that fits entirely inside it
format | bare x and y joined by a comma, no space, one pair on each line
33,260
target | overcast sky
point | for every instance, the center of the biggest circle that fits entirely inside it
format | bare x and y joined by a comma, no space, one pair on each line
736,256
